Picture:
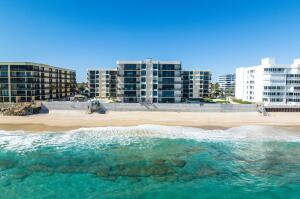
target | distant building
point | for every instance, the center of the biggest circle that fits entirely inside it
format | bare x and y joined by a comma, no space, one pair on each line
27,81
227,83
269,83
102,83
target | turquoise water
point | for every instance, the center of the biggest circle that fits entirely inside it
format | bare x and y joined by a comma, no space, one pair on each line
151,162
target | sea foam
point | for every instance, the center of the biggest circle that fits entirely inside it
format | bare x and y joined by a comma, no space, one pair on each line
101,136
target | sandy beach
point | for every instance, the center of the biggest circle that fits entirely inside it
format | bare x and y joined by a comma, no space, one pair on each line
68,120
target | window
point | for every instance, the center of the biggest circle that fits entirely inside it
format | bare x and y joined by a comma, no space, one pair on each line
167,74
129,80
130,67
168,80
167,67
168,94
3,67
130,73
167,87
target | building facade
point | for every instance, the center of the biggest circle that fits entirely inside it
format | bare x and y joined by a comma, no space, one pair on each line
27,81
149,81
102,83
269,83
196,84
227,83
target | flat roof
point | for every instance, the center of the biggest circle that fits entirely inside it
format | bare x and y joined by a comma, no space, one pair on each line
145,61
198,70
101,69
34,64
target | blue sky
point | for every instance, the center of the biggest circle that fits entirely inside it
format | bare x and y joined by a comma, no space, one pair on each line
219,35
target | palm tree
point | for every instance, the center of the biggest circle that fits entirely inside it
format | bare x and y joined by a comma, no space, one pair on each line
215,90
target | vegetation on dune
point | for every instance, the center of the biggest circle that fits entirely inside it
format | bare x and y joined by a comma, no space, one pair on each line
241,101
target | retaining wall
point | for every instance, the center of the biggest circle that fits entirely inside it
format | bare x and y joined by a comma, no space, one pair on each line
155,107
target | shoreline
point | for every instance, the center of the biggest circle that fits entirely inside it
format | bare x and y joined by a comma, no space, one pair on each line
63,120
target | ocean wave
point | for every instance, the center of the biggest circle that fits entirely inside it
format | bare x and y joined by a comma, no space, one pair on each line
101,136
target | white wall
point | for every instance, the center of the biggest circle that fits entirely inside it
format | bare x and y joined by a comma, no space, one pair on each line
239,83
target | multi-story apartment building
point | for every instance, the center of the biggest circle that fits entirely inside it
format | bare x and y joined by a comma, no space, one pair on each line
269,83
102,83
26,81
187,85
149,81
196,84
227,83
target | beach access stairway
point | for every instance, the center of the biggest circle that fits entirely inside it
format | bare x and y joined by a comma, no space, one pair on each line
174,107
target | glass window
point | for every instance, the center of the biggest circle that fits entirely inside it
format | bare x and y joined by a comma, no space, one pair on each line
3,67
130,67
167,67
168,80
130,73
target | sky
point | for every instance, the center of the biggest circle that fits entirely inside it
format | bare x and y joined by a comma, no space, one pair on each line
219,35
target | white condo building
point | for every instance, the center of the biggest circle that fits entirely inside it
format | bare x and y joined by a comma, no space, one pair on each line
269,83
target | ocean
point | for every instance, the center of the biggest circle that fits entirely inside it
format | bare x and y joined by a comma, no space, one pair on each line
151,161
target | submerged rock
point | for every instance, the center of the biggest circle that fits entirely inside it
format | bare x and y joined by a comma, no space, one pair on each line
6,164
167,178
206,171
159,161
193,150
187,177
20,175
178,163
40,168
103,172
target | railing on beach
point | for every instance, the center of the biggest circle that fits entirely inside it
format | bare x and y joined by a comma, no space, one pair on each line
280,108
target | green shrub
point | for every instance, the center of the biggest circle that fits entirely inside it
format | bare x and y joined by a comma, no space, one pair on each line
241,101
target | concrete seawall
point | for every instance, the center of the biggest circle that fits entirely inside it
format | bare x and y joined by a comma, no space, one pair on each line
154,107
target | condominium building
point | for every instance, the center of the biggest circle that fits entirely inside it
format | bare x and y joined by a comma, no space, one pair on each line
196,84
187,85
227,83
269,83
149,81
102,83
27,81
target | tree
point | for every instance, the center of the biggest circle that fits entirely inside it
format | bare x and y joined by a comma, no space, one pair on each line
215,90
